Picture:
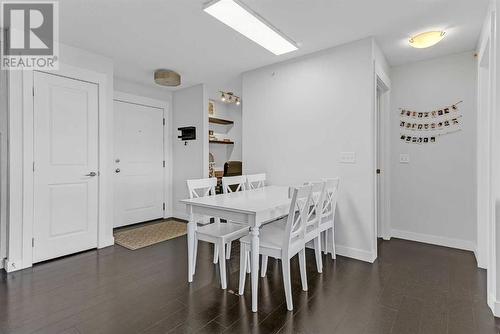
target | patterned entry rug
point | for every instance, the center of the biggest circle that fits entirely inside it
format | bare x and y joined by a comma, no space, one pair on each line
148,235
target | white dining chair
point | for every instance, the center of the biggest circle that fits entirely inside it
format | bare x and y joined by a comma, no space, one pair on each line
239,183
327,223
255,181
282,243
216,233
314,217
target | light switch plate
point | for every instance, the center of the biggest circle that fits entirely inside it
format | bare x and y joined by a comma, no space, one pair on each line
348,157
404,158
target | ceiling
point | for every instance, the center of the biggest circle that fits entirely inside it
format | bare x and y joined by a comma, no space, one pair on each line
143,35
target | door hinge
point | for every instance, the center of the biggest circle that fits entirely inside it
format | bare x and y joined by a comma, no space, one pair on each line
163,163
163,206
33,90
32,242
33,166
163,121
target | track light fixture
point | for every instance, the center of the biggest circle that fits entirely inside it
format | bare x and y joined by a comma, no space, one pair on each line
229,97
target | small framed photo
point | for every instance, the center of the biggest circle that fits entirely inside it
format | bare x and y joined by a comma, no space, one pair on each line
426,140
440,112
420,126
454,107
433,114
403,137
426,126
408,139
211,107
403,112
432,139
433,125
414,126
446,110
420,140
408,125
414,114
454,121
426,114
408,113
440,125
402,123
414,139
420,114
446,123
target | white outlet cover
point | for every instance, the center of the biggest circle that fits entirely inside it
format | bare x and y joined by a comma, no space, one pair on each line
348,157
404,158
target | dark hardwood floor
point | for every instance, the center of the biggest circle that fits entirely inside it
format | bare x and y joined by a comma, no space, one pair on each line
411,288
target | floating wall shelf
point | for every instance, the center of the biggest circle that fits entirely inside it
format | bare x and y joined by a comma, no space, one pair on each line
221,142
219,121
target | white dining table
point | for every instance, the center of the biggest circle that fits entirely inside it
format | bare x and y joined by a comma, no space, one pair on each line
251,207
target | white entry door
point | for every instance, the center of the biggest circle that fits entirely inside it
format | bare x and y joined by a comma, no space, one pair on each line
139,163
66,177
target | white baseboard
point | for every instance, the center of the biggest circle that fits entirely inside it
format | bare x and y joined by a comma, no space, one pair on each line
356,253
106,243
14,265
434,240
480,264
494,305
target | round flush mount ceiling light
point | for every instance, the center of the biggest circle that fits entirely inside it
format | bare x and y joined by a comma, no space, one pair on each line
426,39
167,78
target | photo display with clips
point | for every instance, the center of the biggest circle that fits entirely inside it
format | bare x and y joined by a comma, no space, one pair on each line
425,127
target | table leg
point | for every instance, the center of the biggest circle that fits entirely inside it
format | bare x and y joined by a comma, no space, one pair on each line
255,266
191,230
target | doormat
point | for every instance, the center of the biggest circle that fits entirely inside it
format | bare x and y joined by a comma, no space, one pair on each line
139,237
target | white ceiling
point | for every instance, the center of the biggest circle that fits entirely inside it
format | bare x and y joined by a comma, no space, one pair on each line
143,35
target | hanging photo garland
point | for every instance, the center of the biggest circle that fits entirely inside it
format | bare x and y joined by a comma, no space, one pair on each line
410,125
435,113
447,118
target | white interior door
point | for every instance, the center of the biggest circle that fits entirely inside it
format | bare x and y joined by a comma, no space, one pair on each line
139,163
65,166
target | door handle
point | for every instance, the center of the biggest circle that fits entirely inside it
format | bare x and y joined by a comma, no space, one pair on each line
91,174
117,170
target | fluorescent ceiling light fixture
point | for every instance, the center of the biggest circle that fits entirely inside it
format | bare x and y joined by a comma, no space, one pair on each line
426,39
242,19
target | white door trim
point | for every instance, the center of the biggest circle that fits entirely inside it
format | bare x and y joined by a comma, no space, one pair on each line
167,142
24,224
381,79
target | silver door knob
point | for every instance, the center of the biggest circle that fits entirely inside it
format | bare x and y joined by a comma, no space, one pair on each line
117,170
91,174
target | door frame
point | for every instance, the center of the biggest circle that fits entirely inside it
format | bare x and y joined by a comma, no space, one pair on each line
381,107
25,79
167,149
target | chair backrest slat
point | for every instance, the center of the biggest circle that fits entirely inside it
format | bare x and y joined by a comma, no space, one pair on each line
239,182
315,210
297,216
255,181
201,187
330,198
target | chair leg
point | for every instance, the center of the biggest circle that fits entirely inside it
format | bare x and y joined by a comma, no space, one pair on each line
263,268
249,268
317,251
222,264
334,253
195,254
243,268
303,272
216,253
228,251
324,242
285,267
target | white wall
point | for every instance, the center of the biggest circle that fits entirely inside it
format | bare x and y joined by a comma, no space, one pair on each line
298,116
153,91
434,195
3,166
223,153
489,161
19,251
189,161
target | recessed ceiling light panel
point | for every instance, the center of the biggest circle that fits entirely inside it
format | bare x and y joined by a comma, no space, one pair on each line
242,19
426,39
